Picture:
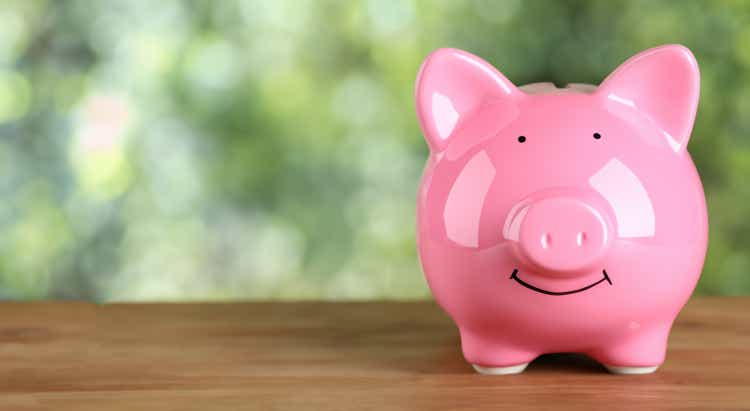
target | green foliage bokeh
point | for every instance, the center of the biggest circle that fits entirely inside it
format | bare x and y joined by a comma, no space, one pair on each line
182,150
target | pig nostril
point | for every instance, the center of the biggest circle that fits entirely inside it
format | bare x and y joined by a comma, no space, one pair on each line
580,238
546,240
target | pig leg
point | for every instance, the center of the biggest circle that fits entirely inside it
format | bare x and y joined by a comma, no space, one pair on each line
492,356
641,353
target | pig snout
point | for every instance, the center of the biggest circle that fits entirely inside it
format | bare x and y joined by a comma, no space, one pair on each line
563,236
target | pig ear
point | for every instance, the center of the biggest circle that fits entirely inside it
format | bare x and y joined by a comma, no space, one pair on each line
451,85
663,84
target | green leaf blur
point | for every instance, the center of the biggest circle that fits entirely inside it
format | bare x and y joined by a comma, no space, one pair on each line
210,150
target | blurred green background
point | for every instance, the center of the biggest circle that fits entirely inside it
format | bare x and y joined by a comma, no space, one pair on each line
183,150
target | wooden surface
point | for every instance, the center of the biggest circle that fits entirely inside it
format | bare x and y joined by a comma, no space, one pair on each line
347,356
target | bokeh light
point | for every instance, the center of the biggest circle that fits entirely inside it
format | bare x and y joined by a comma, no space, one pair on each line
248,149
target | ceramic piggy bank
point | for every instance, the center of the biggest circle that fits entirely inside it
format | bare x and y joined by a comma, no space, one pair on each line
561,219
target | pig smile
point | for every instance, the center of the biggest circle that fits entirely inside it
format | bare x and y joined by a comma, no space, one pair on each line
514,276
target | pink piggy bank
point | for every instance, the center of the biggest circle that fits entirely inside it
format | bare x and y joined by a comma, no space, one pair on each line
561,220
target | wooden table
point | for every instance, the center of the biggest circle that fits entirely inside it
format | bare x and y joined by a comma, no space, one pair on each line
347,356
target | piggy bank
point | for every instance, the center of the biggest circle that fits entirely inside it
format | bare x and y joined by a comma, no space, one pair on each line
561,219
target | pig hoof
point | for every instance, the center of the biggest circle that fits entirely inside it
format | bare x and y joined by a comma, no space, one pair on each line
513,369
630,370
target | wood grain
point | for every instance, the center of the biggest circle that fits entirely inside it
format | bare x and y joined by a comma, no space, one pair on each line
267,356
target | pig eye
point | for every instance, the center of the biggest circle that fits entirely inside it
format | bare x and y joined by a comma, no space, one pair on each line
521,139
597,136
